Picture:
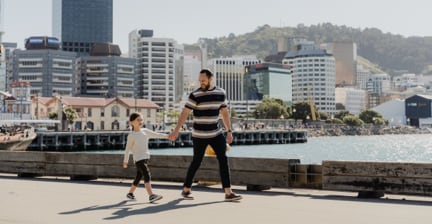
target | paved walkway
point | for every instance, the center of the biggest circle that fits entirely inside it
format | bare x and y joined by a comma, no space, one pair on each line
52,200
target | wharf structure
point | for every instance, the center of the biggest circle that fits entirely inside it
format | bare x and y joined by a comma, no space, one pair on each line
96,140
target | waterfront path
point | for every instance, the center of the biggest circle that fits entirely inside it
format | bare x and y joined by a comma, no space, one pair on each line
59,200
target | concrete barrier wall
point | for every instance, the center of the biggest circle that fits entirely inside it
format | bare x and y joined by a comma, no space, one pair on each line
244,171
387,177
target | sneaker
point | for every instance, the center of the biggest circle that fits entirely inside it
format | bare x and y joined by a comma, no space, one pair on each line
233,197
187,195
154,197
130,196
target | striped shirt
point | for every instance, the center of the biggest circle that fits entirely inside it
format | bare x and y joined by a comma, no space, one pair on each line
206,106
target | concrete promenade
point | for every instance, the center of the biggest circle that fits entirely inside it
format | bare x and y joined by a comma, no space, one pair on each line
59,200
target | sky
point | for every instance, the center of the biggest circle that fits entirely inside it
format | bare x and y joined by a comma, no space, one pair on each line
188,20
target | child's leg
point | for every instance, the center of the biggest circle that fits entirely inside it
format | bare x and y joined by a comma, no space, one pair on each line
137,179
148,188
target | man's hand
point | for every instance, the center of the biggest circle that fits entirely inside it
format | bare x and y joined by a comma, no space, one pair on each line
125,165
229,138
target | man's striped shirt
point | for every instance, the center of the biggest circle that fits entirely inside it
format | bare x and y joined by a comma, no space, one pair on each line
206,106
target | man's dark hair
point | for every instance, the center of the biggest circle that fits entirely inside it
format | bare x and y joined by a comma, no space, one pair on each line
134,116
207,72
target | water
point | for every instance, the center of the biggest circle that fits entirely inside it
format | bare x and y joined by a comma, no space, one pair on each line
396,148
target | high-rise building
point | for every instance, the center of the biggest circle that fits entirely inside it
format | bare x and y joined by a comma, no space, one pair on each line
3,71
156,66
378,83
48,70
8,54
1,19
345,54
78,24
313,74
229,74
105,74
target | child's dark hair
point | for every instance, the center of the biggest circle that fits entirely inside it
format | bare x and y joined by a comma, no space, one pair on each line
207,72
134,116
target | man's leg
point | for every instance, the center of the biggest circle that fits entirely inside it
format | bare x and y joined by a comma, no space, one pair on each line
199,146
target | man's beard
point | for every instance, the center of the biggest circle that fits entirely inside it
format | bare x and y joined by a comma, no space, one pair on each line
205,87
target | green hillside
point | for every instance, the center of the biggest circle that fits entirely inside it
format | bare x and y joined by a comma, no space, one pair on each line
392,53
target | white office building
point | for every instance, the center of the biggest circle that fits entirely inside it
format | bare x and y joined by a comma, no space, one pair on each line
156,67
354,100
229,74
313,75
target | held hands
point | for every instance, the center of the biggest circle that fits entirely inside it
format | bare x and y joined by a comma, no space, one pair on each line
173,136
125,165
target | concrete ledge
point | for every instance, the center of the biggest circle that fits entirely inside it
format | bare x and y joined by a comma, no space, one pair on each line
244,171
385,177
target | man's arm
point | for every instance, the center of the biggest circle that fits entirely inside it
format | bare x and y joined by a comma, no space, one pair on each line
183,116
227,122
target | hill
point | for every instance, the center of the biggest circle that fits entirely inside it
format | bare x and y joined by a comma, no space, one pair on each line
392,53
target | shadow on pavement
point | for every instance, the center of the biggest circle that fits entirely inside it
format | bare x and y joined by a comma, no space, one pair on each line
125,209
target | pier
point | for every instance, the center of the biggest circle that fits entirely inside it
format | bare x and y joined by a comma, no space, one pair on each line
95,140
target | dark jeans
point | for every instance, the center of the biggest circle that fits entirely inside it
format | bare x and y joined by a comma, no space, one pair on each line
219,145
142,171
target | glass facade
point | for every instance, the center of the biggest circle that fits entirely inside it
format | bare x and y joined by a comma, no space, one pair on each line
80,23
268,80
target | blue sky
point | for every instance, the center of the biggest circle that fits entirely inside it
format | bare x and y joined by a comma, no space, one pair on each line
188,20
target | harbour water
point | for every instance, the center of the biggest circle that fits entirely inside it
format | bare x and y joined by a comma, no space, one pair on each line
396,148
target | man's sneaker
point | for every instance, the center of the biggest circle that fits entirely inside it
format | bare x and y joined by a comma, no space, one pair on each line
155,197
233,197
130,196
187,195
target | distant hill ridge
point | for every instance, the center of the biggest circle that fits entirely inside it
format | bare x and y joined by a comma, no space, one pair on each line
392,53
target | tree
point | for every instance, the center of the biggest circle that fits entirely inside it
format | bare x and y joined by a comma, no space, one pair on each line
340,106
352,120
52,115
271,108
302,111
323,115
342,114
71,115
368,116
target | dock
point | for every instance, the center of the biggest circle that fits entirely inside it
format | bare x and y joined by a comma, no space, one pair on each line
97,140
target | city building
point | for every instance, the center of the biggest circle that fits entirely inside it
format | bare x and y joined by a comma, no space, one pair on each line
229,74
8,57
47,69
418,110
78,24
3,69
345,54
96,113
17,104
313,75
404,81
268,80
362,75
156,67
354,100
378,83
105,74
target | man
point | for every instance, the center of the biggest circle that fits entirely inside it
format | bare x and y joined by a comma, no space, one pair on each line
206,103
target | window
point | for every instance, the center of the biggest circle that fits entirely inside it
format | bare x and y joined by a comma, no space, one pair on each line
115,111
102,114
89,112
102,125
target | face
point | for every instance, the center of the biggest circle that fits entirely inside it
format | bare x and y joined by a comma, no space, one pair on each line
204,81
138,122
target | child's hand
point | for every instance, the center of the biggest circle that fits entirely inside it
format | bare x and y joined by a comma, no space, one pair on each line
125,165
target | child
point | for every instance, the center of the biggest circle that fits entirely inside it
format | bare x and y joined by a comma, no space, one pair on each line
137,144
